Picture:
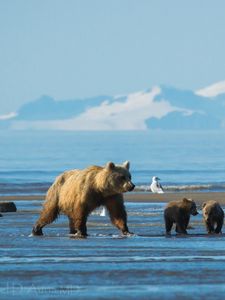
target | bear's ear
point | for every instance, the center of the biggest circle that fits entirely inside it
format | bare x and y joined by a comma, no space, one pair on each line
110,165
126,164
203,204
185,200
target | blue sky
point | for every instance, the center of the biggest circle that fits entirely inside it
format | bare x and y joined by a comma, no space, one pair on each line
75,49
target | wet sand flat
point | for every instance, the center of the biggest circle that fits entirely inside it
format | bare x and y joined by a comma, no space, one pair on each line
199,197
108,265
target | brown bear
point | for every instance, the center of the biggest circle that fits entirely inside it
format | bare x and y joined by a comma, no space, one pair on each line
213,215
77,193
179,212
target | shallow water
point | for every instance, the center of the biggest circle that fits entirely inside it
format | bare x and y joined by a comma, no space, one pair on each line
107,265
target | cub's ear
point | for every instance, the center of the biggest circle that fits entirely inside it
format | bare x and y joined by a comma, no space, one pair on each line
126,164
185,200
204,204
110,165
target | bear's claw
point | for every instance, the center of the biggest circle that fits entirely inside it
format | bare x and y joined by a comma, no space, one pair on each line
128,233
78,235
37,231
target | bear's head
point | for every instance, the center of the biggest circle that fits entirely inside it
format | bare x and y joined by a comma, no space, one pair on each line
116,178
191,206
207,208
205,211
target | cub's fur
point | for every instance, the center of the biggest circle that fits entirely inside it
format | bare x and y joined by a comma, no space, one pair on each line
213,216
179,212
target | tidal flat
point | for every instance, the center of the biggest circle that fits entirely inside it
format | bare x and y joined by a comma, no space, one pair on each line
107,265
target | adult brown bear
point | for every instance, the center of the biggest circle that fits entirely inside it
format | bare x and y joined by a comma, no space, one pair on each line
77,193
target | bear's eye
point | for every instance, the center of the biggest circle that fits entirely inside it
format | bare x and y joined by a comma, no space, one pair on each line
122,177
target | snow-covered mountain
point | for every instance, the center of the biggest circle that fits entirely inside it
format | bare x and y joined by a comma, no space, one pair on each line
160,107
212,90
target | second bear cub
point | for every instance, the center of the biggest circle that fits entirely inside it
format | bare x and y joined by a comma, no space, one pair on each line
179,212
213,215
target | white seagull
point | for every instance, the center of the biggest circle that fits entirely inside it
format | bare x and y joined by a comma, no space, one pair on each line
103,212
156,186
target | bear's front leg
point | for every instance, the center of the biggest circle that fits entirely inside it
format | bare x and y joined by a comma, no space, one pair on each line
117,213
180,229
209,227
186,221
181,224
72,226
79,220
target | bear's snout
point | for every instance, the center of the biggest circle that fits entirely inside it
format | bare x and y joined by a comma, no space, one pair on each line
132,186
195,213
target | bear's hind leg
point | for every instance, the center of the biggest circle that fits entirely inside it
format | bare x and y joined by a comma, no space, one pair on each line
47,216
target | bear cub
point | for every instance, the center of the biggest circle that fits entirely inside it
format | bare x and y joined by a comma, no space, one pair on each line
76,193
213,216
179,212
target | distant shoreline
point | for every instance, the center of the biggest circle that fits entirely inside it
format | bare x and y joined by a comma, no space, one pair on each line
199,197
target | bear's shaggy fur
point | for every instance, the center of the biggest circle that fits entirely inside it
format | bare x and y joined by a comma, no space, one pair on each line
77,193
179,212
213,215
